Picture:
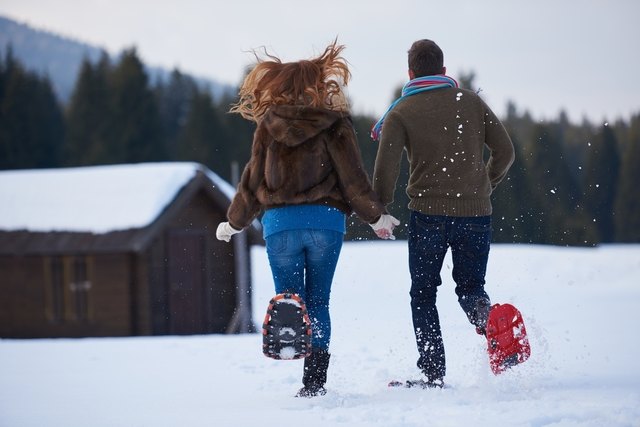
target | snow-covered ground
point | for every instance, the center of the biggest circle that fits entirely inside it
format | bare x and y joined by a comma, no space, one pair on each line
581,307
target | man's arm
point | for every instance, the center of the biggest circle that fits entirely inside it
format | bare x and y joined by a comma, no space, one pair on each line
501,147
387,168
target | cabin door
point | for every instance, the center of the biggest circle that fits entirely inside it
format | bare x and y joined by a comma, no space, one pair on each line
186,265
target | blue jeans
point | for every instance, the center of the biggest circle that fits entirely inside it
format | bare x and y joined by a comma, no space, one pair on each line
430,236
303,262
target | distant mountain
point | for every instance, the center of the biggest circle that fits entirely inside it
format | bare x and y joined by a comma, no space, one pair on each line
60,57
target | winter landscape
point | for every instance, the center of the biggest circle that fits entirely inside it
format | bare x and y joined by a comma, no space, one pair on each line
581,307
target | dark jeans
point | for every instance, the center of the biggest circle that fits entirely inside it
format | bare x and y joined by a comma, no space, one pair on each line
303,262
430,237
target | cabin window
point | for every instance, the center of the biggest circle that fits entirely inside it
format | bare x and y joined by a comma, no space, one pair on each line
80,289
57,289
69,289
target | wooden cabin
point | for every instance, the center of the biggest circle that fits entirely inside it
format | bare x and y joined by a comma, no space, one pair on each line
120,250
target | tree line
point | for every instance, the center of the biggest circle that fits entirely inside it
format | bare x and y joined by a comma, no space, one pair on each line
571,184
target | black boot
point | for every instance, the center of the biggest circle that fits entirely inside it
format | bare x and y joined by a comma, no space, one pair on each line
315,374
479,316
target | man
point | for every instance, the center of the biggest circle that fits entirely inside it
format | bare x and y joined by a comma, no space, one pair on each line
444,130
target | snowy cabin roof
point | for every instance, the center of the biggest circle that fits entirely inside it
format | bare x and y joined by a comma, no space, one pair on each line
96,199
99,207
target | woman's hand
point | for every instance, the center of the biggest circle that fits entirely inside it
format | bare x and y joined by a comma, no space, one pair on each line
225,231
384,227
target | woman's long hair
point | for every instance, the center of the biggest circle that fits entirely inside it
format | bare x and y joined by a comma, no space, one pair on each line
316,82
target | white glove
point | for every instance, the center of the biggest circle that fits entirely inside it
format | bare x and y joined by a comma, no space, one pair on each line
384,227
225,231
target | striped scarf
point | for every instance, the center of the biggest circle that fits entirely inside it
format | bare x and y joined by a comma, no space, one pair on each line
417,85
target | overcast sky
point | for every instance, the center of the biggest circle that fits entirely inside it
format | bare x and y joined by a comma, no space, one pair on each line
581,56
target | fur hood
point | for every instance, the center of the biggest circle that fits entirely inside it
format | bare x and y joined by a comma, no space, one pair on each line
293,125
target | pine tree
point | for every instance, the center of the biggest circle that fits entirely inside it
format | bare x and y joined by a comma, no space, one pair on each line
202,139
601,182
627,205
512,222
88,116
467,80
238,137
31,121
174,104
556,207
136,134
514,214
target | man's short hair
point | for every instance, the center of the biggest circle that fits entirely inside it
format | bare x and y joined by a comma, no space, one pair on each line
425,58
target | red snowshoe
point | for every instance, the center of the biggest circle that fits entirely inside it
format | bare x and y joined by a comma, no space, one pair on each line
508,344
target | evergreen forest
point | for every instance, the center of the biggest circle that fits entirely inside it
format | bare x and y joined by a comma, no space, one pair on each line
571,184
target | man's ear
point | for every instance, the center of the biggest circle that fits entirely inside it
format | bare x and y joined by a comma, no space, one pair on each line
412,75
444,70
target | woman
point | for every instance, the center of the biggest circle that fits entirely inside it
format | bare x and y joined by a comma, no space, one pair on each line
306,174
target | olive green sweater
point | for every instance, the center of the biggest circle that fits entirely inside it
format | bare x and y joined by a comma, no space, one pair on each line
444,132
